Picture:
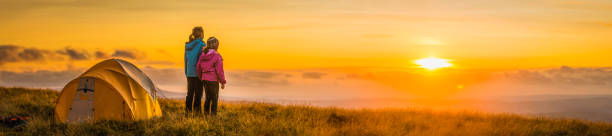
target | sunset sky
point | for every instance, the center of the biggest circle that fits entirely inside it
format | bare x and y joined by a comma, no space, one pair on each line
543,57
307,49
290,34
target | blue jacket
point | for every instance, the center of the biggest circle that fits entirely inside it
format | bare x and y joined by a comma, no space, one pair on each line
193,50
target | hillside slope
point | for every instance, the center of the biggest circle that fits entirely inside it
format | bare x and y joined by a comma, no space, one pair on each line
250,118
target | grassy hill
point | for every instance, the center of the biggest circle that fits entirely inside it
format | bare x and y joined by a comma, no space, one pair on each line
250,118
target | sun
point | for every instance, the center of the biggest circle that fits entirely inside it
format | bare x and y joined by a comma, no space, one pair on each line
433,63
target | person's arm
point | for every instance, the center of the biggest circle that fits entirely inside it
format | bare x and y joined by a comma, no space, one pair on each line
199,55
190,45
199,68
186,65
219,71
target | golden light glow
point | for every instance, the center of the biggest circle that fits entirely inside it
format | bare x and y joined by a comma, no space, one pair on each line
433,63
460,86
430,41
279,36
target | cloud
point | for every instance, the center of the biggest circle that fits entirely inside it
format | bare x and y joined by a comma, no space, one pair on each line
533,81
31,54
57,79
12,53
313,75
166,77
43,78
566,75
258,78
8,53
128,54
100,55
74,54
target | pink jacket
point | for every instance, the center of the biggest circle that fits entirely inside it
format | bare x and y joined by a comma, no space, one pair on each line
210,67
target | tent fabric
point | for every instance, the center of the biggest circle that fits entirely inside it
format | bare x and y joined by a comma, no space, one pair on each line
121,92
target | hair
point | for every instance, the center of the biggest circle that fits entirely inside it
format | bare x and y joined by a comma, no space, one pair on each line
211,43
196,33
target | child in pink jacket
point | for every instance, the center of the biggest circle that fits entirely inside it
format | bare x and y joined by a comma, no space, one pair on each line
210,71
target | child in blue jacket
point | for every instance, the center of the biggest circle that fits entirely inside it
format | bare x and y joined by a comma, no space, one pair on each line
193,50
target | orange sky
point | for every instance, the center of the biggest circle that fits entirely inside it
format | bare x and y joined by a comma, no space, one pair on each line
290,34
323,49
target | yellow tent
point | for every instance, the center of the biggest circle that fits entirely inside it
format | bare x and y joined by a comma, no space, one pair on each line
112,89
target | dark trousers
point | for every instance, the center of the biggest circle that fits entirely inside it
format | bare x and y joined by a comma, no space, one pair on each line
194,95
212,96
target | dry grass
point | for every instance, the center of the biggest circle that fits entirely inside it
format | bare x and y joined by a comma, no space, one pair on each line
249,118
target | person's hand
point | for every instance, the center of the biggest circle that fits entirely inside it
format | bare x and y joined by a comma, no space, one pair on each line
222,86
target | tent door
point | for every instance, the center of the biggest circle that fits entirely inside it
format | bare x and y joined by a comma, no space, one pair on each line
82,108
